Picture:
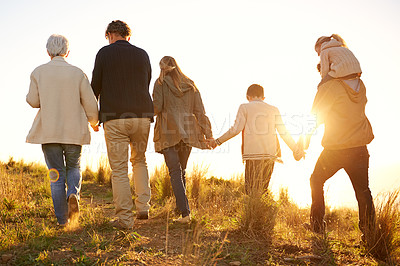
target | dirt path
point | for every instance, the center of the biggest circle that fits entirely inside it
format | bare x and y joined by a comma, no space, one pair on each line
150,243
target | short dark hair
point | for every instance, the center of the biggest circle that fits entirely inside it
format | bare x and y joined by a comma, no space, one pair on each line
255,90
120,27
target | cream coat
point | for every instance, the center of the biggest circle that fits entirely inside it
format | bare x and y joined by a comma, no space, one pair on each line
66,103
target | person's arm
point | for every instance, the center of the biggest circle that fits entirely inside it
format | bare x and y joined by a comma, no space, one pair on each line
237,127
89,102
298,151
33,95
97,76
324,63
149,69
200,113
283,132
158,98
323,102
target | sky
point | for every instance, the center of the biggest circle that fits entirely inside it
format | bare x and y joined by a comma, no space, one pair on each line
224,47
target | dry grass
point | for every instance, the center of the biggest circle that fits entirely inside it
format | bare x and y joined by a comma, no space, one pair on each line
228,226
102,175
384,241
161,185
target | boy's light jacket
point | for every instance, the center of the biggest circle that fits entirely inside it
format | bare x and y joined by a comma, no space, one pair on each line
259,123
66,103
180,116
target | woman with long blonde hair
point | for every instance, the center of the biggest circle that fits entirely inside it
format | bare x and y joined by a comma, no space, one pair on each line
181,124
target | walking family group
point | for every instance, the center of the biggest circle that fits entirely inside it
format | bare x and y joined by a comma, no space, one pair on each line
68,102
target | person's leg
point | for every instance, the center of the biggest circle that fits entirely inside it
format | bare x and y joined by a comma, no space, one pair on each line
357,169
266,170
172,161
184,153
329,162
249,176
139,134
117,142
54,157
72,154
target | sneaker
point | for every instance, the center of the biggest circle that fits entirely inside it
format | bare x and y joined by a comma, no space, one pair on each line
183,220
116,223
62,226
73,207
142,216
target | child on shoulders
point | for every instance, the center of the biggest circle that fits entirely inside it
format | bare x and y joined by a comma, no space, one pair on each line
337,61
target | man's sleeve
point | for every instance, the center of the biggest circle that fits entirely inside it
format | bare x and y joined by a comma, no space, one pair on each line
97,76
323,102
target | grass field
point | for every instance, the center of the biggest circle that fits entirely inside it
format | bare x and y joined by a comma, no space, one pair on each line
228,227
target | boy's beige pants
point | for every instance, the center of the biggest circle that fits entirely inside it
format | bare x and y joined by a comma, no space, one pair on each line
119,135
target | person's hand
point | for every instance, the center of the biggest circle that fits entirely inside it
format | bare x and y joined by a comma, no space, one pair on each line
95,128
303,142
211,143
298,153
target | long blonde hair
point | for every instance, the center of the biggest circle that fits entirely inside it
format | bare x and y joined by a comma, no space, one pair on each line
169,67
323,39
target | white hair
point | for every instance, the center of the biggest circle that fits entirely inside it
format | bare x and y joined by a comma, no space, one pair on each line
57,45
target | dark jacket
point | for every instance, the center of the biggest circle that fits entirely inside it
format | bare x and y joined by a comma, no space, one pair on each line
121,77
180,116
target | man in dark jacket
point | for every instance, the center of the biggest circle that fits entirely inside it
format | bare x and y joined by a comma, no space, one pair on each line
121,78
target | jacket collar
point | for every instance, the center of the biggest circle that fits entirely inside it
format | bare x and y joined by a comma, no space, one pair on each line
121,42
58,58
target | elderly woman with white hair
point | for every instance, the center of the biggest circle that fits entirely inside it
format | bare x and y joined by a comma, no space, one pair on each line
66,104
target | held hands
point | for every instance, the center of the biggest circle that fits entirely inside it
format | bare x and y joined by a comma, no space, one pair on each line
95,127
211,143
298,152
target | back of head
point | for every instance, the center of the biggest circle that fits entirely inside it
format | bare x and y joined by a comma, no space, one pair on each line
57,45
119,27
255,90
169,67
167,64
320,41
324,39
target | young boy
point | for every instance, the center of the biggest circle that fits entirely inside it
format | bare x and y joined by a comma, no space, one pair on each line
258,122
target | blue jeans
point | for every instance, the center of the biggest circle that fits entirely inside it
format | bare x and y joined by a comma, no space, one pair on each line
63,161
176,158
